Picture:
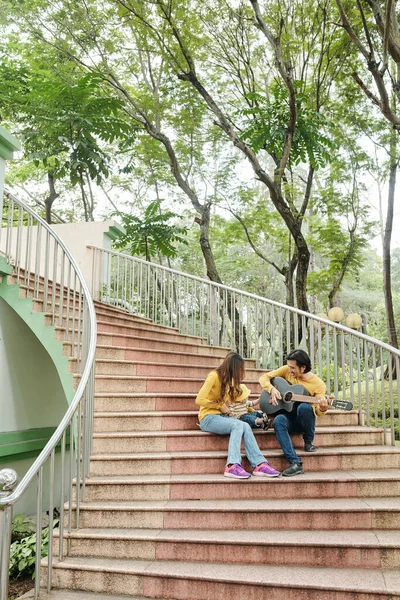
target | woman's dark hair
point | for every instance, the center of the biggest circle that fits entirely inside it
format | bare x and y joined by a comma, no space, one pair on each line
302,359
231,373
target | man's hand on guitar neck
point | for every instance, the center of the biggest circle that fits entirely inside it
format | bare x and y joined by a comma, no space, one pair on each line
275,395
324,403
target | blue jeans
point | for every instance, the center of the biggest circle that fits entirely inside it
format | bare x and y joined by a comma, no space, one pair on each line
237,430
304,423
251,418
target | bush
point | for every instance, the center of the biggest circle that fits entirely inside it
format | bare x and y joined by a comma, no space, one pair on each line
23,554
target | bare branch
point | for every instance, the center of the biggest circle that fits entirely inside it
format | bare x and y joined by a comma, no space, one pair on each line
350,31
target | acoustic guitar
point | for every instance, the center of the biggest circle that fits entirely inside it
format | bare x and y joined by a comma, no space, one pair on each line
292,394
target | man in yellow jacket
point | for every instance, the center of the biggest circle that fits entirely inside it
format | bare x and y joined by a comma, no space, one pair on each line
302,418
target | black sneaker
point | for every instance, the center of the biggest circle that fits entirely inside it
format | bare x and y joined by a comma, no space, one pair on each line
266,422
309,447
294,469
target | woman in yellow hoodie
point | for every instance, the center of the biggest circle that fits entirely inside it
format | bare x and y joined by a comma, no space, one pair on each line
222,387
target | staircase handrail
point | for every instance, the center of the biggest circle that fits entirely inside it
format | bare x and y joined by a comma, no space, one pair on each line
85,385
222,286
227,316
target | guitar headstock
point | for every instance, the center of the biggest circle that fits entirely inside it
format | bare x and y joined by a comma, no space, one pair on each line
342,404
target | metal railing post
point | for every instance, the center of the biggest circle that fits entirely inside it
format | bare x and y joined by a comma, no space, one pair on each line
8,481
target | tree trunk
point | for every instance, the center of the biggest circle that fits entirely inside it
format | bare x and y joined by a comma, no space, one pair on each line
51,197
84,200
238,330
387,279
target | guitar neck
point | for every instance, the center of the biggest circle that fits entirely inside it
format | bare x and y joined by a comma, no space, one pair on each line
308,399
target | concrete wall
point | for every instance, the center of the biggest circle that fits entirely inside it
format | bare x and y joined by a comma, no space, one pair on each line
76,236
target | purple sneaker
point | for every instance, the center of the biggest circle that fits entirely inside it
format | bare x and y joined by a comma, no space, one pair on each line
236,471
265,470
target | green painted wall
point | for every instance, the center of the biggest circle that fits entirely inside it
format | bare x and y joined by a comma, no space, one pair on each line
31,393
19,445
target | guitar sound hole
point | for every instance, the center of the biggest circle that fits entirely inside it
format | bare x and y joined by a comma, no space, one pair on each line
288,397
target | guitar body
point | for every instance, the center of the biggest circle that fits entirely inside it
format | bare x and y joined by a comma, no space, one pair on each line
285,405
292,394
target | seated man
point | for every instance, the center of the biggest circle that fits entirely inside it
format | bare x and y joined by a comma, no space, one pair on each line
302,417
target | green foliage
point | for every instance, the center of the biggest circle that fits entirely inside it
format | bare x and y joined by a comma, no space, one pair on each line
61,122
382,402
150,234
266,128
23,553
22,525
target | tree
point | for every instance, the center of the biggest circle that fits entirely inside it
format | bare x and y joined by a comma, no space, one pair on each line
150,234
62,120
375,33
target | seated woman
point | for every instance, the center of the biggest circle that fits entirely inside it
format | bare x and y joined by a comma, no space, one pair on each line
222,386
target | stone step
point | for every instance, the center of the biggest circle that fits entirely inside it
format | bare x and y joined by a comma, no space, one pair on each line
199,580
126,319
121,383
175,463
325,484
175,420
198,441
187,353
146,369
107,366
165,356
103,307
164,402
349,549
151,330
74,595
153,341
123,336
270,514
143,402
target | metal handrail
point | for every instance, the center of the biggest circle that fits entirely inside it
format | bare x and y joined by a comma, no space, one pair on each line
249,295
257,327
80,325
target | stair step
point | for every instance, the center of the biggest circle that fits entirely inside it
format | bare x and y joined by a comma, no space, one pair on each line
126,319
302,513
177,420
74,595
325,484
165,356
152,340
130,383
189,580
152,330
126,402
360,549
197,441
168,463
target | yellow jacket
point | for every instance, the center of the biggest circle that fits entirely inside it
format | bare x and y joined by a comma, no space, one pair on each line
208,396
314,386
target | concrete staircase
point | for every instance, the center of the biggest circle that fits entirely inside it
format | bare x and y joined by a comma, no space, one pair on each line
160,521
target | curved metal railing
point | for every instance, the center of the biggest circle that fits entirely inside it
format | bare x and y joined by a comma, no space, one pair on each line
46,270
353,365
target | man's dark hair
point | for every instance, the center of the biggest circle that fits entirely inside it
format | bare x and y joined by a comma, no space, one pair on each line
302,359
